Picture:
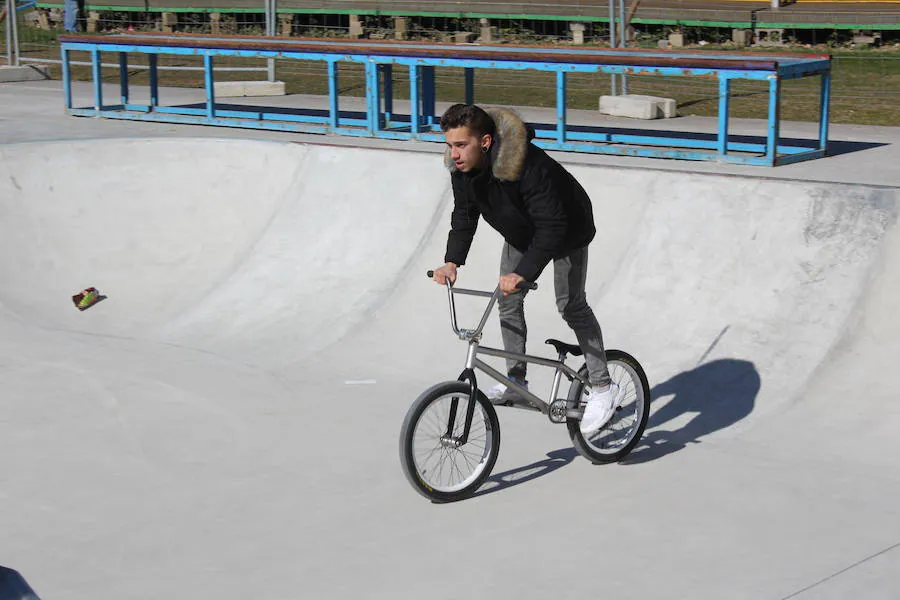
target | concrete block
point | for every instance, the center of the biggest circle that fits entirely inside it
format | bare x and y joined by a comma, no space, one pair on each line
487,32
638,107
356,27
287,24
169,21
400,24
663,44
93,22
667,107
867,38
464,37
233,89
43,17
24,73
32,18
741,37
676,40
215,23
769,37
577,30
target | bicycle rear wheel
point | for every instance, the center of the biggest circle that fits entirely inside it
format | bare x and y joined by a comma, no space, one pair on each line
623,431
433,460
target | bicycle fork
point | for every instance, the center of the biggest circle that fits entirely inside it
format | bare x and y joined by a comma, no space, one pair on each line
468,375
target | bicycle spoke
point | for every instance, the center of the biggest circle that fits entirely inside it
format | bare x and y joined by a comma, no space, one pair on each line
439,463
620,430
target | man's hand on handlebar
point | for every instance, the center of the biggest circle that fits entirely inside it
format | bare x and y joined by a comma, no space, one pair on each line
445,273
509,284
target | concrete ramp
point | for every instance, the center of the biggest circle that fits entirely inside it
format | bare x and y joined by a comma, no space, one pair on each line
211,244
225,423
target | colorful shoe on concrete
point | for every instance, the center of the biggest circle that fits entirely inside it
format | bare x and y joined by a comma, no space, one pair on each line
86,298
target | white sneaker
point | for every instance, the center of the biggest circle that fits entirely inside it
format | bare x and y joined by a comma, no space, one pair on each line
500,394
601,406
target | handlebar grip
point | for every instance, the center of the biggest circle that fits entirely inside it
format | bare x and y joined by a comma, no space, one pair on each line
527,285
430,274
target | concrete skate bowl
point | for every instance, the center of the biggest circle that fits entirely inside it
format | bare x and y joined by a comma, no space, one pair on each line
209,244
732,291
197,431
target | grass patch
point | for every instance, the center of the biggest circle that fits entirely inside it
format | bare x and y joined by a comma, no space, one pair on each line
865,83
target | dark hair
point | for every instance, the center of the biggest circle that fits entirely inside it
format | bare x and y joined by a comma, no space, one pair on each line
468,115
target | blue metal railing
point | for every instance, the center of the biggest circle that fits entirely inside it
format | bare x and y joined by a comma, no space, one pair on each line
382,121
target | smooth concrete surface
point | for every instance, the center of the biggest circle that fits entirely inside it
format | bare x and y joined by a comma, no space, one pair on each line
9,74
224,424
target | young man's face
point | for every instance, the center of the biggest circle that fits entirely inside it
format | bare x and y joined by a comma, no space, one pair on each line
466,148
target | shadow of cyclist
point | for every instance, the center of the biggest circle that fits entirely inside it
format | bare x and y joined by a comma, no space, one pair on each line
507,479
720,393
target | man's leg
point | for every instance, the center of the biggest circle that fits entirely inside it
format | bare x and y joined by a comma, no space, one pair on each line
70,16
569,275
512,315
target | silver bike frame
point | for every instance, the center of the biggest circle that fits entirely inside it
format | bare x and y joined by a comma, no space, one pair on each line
473,337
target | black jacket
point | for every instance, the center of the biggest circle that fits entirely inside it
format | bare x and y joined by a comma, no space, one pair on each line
536,205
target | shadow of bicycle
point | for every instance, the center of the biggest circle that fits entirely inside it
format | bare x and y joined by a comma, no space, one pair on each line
507,479
719,393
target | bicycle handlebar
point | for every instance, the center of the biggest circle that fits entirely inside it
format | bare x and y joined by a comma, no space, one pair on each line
523,285
467,334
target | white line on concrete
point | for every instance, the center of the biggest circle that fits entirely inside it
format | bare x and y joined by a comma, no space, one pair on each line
35,89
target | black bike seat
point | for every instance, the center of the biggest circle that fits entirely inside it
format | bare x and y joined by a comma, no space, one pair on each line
572,349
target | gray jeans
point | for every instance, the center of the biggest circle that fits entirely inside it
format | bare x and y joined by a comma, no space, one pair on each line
569,275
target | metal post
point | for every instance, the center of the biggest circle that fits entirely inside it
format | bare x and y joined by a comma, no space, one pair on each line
210,86
8,36
429,94
13,20
612,42
98,80
724,93
373,98
622,38
12,38
387,71
67,78
333,94
414,100
123,78
154,81
470,85
270,31
824,101
561,107
774,118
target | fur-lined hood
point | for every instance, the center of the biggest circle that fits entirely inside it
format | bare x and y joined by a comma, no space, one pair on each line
509,148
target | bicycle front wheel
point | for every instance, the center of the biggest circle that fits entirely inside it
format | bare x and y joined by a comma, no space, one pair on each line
623,431
434,460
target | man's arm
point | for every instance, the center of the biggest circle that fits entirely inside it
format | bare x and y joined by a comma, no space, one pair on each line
463,223
540,193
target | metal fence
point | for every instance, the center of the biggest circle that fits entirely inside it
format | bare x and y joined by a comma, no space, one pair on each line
866,87
674,11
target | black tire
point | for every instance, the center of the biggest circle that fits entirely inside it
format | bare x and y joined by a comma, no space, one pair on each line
426,421
618,437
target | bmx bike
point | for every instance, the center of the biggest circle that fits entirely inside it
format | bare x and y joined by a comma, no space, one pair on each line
450,438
